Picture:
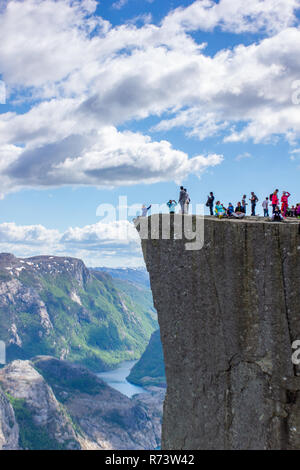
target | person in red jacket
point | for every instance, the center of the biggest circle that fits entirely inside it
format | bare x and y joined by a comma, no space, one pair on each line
275,200
285,203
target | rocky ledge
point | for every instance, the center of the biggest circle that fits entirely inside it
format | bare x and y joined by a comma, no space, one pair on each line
229,314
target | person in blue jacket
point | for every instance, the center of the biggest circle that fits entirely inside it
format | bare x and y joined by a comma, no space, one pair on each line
230,209
172,206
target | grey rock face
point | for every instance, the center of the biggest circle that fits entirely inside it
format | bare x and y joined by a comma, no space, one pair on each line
23,382
71,408
152,402
9,430
228,315
106,418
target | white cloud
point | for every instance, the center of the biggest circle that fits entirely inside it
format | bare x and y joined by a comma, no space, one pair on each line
125,158
119,4
102,233
295,154
102,158
43,41
236,16
96,244
28,235
250,85
85,85
243,156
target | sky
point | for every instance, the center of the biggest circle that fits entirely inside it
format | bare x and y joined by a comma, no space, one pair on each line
102,100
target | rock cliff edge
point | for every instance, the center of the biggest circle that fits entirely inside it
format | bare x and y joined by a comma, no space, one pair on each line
229,314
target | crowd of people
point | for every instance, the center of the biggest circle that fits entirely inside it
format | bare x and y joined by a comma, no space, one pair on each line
281,209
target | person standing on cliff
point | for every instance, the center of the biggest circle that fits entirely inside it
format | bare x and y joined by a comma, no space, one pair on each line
254,200
172,206
285,203
244,203
182,199
210,202
187,202
145,210
274,200
265,206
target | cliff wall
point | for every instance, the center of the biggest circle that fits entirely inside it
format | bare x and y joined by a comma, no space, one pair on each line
228,316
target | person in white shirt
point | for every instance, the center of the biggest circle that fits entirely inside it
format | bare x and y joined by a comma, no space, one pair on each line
265,206
187,202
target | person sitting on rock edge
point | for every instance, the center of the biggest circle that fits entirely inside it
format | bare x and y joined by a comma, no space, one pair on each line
230,210
277,216
219,210
239,211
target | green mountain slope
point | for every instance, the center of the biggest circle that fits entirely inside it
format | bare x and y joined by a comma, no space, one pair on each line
150,370
56,306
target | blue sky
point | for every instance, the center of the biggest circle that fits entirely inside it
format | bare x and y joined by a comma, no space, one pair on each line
132,98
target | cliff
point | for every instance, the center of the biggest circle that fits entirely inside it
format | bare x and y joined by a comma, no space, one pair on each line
228,315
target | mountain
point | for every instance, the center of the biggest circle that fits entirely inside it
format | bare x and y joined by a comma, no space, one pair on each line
150,370
56,306
47,403
9,429
134,275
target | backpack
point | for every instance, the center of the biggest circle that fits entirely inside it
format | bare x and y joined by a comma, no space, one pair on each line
271,196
